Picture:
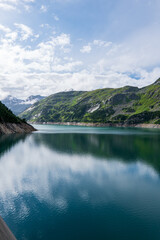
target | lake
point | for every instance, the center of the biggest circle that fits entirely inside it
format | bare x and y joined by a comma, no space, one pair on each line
81,183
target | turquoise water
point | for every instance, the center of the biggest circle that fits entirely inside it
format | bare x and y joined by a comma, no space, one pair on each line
72,183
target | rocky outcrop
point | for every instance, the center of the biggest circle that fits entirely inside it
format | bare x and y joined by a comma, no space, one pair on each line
7,128
123,98
5,233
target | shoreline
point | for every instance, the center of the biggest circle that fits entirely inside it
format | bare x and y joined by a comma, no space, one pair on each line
5,232
8,128
140,125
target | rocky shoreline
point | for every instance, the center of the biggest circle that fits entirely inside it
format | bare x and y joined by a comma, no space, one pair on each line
141,125
8,128
5,233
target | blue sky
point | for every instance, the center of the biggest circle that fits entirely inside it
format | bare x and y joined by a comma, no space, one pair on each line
56,45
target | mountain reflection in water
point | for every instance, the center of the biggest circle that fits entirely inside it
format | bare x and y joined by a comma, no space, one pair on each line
125,148
81,186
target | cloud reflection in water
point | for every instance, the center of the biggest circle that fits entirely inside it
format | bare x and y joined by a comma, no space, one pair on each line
53,178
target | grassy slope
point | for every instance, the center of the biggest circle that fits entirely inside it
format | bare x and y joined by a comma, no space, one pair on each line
123,105
6,116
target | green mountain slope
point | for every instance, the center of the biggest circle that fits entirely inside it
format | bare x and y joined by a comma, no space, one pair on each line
9,123
127,105
6,116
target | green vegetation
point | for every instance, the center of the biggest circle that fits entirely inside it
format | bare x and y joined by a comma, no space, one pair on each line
6,116
129,105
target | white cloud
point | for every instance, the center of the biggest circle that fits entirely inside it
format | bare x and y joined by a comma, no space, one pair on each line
19,64
86,49
29,1
48,169
135,55
67,67
4,29
101,43
8,5
54,63
12,36
26,32
61,40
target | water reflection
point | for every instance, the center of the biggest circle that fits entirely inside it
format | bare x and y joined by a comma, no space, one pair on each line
9,141
126,148
81,182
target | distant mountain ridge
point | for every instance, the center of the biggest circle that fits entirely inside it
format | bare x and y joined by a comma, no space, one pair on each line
18,106
122,106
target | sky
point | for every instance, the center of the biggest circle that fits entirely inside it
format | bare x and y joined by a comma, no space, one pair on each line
48,46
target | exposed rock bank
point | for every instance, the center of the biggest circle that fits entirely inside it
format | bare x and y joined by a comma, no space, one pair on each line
7,128
5,233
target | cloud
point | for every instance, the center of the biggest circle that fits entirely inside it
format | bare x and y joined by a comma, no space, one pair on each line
26,32
49,65
86,49
61,40
101,43
4,29
19,64
41,58
136,55
67,67
42,170
9,5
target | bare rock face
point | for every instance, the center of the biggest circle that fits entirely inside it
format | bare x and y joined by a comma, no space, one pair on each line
5,233
157,82
118,99
7,128
131,89
122,98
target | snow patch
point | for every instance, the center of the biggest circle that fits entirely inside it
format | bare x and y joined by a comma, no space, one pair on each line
94,108
37,115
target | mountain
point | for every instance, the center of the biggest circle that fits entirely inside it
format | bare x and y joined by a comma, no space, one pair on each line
126,106
9,123
18,105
